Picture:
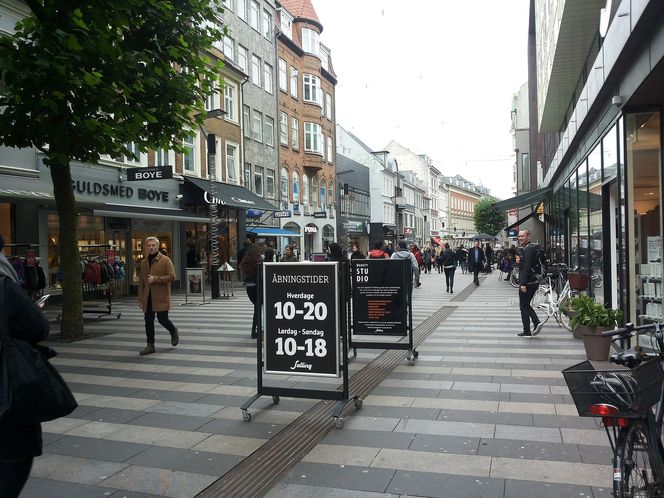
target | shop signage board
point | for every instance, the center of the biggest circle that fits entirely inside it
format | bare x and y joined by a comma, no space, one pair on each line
379,297
320,214
195,286
381,306
149,173
282,214
301,327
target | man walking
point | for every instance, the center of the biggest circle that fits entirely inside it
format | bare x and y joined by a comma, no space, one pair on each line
476,260
154,293
528,285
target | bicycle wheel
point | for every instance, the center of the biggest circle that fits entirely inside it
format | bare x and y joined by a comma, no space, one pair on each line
598,279
540,298
514,277
638,459
561,317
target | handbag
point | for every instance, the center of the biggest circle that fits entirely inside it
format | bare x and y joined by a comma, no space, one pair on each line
31,389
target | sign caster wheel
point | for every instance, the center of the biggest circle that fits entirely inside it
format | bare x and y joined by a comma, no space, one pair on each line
358,403
275,400
416,354
246,416
354,352
339,423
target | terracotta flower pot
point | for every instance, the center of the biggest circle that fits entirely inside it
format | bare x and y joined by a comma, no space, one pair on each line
597,347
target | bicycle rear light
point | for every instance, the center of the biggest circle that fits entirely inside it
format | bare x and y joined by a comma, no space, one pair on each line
604,410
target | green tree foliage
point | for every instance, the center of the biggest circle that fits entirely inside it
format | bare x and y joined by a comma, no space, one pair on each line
83,79
486,219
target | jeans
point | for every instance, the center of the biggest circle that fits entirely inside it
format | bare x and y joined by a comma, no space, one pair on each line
527,311
449,277
252,293
162,318
13,476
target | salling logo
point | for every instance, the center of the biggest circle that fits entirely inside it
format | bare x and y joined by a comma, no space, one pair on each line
215,200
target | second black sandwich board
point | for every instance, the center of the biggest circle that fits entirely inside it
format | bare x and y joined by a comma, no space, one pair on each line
381,295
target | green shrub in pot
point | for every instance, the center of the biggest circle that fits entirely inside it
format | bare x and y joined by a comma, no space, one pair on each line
588,313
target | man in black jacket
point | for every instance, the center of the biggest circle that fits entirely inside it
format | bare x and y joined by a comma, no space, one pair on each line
476,261
528,285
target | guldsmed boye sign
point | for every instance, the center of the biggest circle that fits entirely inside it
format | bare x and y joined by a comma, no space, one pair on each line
301,309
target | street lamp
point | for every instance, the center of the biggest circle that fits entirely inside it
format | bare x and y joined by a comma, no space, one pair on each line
211,142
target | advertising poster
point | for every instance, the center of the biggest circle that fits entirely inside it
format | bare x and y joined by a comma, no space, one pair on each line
301,310
379,297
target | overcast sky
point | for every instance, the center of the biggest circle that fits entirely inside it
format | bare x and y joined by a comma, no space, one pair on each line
437,76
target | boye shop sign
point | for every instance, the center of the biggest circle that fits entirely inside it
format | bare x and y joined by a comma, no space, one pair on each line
301,303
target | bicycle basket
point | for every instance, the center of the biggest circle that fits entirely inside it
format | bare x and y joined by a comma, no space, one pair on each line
578,281
632,391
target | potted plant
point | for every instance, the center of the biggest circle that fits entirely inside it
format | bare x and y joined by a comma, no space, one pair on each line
591,319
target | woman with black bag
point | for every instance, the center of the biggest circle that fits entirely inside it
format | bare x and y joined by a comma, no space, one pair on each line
20,442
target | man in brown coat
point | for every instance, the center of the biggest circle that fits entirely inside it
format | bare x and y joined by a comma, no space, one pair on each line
154,293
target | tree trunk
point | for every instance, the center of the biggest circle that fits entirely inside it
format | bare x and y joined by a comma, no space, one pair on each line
71,325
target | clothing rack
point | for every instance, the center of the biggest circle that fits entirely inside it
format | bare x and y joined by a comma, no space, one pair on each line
37,292
107,288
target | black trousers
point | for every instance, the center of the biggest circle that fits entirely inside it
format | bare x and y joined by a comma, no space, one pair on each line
449,277
252,293
162,318
477,267
13,476
527,311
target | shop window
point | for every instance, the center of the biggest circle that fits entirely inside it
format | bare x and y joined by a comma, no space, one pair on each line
596,261
643,153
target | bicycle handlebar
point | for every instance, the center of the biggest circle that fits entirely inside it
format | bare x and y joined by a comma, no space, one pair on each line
629,328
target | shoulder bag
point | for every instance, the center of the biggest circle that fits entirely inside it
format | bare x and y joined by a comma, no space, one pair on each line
31,389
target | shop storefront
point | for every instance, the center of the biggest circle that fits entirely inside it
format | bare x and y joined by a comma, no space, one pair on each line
354,232
233,202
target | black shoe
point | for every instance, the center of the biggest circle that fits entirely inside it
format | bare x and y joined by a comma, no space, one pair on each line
538,328
451,291
254,335
175,337
447,290
524,334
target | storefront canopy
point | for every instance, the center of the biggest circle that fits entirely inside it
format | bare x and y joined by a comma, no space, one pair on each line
228,195
526,199
525,218
272,232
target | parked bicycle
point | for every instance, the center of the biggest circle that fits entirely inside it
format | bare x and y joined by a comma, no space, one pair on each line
553,294
630,402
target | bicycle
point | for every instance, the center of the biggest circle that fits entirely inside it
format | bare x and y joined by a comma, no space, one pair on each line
552,296
630,402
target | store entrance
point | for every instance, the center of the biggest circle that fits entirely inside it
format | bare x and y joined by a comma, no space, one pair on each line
119,242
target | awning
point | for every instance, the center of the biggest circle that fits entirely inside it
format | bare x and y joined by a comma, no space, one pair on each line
437,240
534,212
272,232
228,195
146,213
526,199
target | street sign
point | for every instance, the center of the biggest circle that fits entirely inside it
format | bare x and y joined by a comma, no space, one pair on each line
301,309
150,173
379,296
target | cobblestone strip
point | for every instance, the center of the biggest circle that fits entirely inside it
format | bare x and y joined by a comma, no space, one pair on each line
256,475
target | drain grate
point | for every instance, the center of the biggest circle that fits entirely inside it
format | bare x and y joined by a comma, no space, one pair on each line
261,470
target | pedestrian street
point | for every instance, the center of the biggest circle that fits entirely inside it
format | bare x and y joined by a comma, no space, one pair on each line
480,413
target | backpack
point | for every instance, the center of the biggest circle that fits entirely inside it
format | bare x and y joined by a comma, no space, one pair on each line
541,264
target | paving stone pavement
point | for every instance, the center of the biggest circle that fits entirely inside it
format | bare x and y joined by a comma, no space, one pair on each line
480,413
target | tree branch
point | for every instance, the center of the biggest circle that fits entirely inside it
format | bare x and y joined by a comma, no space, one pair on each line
37,9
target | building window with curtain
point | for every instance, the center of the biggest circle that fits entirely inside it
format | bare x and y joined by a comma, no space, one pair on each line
269,184
313,138
296,187
267,77
312,89
231,161
284,185
258,180
189,155
525,171
268,131
230,102
283,76
283,128
306,198
314,191
295,133
310,41
255,70
247,176
254,15
293,82
257,125
242,58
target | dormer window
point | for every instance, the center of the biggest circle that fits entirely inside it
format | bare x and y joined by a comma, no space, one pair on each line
286,24
310,42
